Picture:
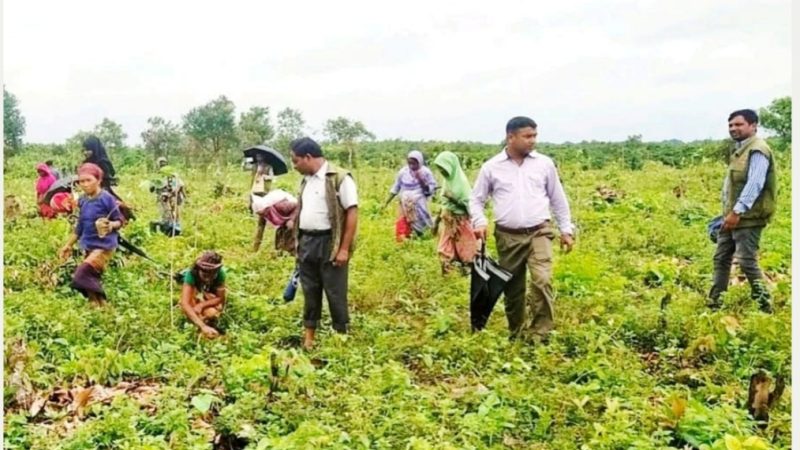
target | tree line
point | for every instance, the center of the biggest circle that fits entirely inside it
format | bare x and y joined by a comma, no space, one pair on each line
206,133
212,133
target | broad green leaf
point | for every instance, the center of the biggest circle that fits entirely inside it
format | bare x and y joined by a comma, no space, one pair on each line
203,402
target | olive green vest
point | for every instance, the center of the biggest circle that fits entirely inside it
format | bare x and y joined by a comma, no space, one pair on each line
336,214
764,207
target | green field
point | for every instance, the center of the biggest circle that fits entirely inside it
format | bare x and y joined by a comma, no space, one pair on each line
619,372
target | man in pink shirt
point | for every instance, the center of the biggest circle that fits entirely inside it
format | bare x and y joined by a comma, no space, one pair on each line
524,186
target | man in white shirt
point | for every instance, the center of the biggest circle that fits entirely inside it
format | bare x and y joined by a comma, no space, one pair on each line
326,228
524,186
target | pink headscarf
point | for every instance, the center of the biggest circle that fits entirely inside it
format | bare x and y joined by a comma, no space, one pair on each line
46,179
91,169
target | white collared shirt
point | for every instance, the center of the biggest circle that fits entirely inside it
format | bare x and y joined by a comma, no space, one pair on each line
314,214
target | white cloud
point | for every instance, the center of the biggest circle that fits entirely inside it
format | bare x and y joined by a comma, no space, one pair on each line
420,69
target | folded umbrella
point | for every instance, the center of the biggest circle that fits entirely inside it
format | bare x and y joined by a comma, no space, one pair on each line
127,245
291,287
486,284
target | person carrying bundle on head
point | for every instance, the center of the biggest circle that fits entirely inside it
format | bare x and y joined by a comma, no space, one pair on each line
278,208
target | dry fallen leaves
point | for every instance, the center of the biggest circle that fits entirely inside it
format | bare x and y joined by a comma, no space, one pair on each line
206,429
678,408
80,400
74,401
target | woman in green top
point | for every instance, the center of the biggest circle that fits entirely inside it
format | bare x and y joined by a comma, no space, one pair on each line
206,280
456,241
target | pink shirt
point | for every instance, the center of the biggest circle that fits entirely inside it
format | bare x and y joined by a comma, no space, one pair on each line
522,194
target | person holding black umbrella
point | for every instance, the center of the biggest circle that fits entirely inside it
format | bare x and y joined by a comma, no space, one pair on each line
524,186
263,175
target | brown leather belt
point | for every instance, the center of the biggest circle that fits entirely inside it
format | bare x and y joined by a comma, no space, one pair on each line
529,230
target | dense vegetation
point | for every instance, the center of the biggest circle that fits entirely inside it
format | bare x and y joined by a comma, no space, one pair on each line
637,361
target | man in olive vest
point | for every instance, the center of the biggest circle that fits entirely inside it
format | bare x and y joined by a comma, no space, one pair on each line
748,203
325,229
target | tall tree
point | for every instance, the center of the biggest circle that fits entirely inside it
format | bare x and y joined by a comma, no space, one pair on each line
291,126
342,130
213,126
778,117
111,134
13,123
255,127
162,137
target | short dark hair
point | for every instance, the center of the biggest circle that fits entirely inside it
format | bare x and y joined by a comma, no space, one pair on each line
749,115
306,146
519,122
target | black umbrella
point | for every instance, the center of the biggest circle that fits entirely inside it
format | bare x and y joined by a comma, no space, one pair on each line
127,245
271,157
64,184
486,285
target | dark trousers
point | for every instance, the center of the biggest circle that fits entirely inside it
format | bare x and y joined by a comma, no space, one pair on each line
742,242
318,274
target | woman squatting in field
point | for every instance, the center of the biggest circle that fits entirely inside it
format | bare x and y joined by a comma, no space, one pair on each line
278,208
206,280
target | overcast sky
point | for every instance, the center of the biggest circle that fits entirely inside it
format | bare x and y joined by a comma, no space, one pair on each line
412,69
